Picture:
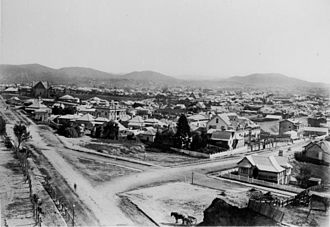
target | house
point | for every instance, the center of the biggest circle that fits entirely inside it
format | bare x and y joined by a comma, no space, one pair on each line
197,120
148,135
318,150
113,111
272,117
219,121
316,121
65,119
223,139
315,131
288,125
136,122
68,98
87,120
273,168
195,95
40,89
38,111
11,90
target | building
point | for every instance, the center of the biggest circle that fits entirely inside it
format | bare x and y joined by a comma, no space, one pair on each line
315,131
273,168
113,111
40,89
148,135
288,125
224,139
318,150
87,120
197,120
219,121
316,121
38,111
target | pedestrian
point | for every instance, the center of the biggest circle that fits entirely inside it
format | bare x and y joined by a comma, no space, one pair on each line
75,187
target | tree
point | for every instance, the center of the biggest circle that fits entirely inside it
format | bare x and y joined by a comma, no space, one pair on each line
111,130
182,136
196,142
22,134
304,174
2,126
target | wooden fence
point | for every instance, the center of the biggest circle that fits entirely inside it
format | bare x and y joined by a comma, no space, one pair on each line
266,210
261,182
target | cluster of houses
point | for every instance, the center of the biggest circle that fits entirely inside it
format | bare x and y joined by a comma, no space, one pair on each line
227,117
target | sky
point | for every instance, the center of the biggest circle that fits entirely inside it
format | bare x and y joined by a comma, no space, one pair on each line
197,39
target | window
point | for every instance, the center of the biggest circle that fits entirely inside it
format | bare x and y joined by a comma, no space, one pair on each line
244,170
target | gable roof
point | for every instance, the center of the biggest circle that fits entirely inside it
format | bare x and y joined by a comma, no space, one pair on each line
43,83
37,104
223,117
198,117
264,163
324,145
283,161
86,117
291,121
66,97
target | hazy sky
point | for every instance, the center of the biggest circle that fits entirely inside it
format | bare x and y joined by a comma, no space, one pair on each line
179,37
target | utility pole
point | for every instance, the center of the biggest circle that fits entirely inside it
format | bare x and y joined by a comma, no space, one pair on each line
73,206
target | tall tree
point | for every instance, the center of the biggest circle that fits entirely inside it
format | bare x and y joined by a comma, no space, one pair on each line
183,134
21,133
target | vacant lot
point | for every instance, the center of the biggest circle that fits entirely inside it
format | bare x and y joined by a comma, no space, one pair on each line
159,201
138,151
97,169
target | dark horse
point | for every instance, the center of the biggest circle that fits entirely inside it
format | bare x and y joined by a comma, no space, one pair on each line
178,216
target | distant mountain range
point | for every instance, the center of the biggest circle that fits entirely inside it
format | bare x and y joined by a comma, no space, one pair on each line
81,76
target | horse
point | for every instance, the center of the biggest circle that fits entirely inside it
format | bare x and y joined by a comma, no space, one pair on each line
178,216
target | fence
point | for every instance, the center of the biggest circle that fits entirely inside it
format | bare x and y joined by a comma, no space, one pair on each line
266,210
35,187
261,182
211,156
59,202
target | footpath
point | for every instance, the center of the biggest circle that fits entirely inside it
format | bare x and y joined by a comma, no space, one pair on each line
16,207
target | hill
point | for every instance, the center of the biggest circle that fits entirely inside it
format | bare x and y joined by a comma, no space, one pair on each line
148,75
82,76
29,72
86,73
269,80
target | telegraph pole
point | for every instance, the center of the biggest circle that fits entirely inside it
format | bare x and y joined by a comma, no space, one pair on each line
73,206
